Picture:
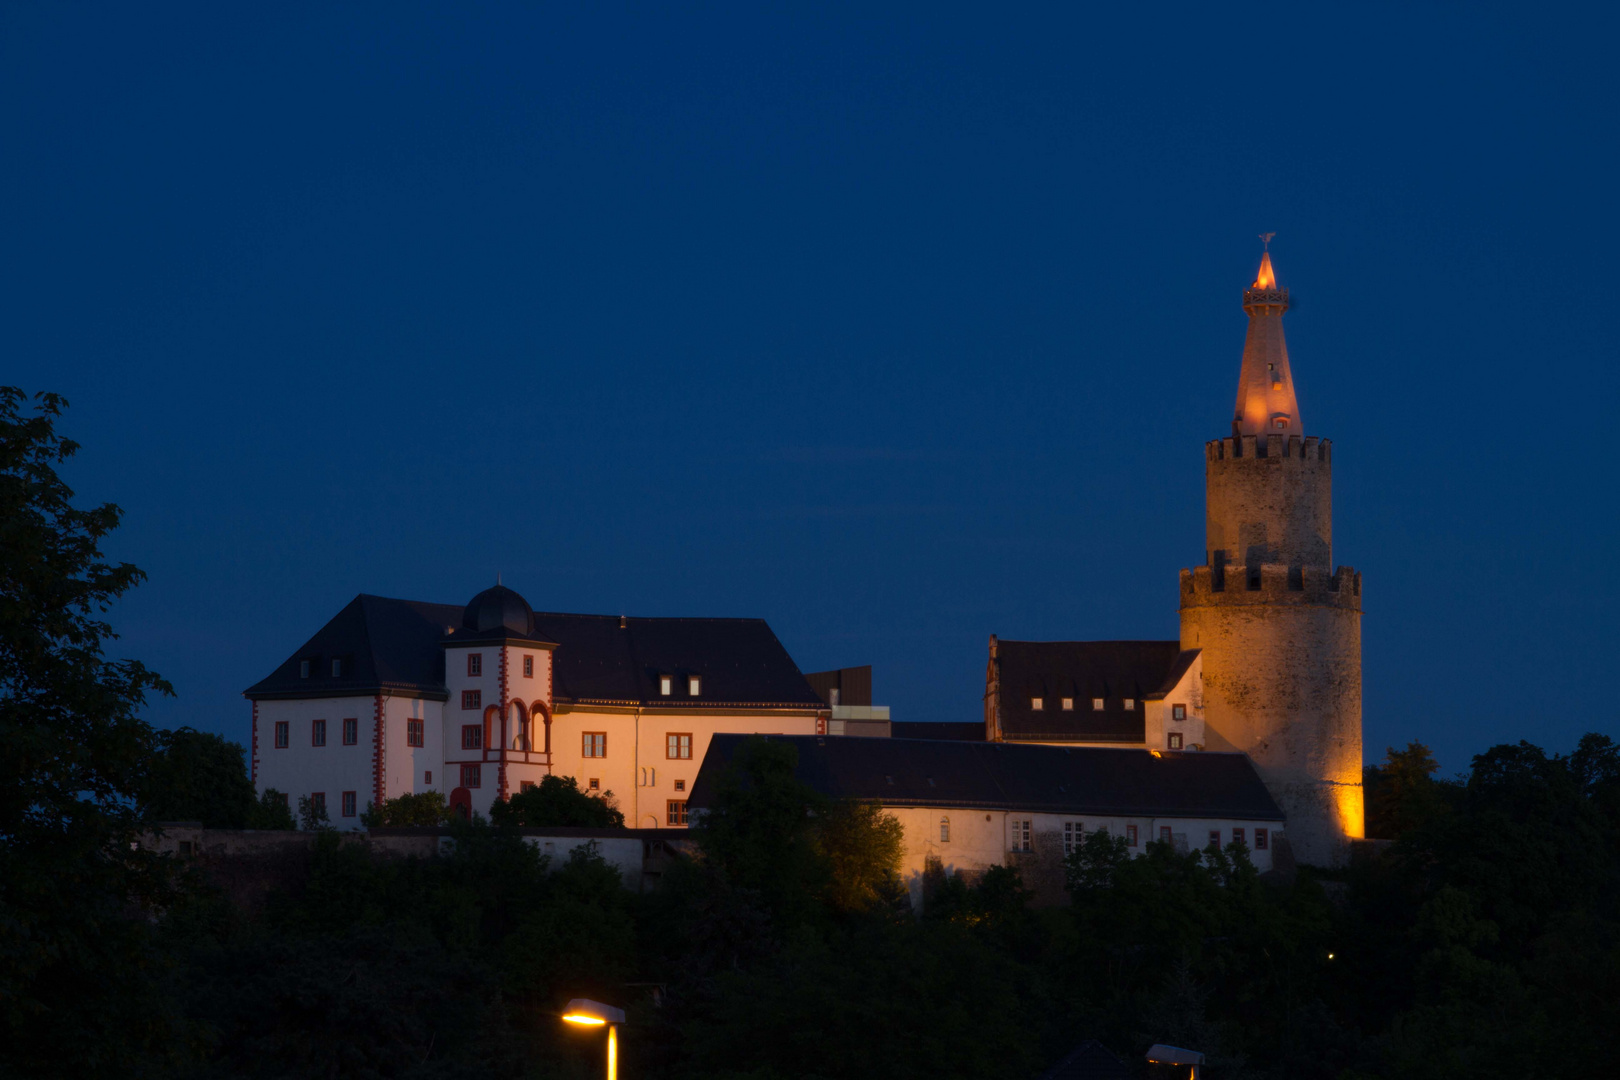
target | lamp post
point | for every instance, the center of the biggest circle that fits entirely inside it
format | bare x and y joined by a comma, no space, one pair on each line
588,1013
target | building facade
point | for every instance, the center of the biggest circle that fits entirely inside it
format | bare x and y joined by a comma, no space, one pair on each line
394,697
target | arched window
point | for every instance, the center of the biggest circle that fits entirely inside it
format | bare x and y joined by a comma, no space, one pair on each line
539,713
492,719
517,725
944,830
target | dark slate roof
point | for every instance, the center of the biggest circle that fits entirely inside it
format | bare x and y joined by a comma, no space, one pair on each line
954,730
398,646
1084,670
1096,780
1089,1061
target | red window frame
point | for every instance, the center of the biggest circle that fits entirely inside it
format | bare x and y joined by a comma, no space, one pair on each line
317,800
472,699
528,667
472,776
1173,741
1178,712
1262,839
283,734
348,803
1130,836
675,811
472,736
593,744
1239,837
351,730
678,746
427,776
1215,839
317,733
1164,835
413,732
475,664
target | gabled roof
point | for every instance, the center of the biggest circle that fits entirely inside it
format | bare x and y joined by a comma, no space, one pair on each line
398,646
1089,1061
1096,780
1115,671
954,730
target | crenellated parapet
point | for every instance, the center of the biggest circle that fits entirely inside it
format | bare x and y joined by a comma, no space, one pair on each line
1302,451
1270,583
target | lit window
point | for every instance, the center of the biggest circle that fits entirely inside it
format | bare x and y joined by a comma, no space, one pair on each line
317,733
1279,424
1037,703
593,744
676,812
1130,836
303,669
472,736
594,784
694,685
348,804
1020,836
1237,837
1068,704
665,685
1130,703
1175,740
472,776
281,734
944,830
1097,703
472,699
680,785
1178,712
528,671
1215,838
1261,839
475,663
337,668
1164,834
677,745
413,734
351,731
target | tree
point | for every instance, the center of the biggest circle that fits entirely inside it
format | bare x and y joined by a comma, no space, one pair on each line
1402,792
199,776
557,801
312,816
422,809
863,847
74,755
270,812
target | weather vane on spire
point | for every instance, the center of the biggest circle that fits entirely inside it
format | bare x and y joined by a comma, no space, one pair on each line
1265,239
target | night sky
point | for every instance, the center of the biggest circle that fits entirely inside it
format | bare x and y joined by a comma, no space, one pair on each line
895,329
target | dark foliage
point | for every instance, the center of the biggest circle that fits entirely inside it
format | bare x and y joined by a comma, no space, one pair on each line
197,776
558,801
422,809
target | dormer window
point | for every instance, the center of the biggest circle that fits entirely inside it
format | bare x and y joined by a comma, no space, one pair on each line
694,686
337,668
1068,704
1097,704
1037,703
303,669
1130,703
665,685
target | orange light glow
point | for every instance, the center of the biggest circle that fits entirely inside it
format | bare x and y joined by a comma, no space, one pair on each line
581,1018
1155,753
1266,279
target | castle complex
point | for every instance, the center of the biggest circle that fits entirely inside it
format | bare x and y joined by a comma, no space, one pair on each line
1246,730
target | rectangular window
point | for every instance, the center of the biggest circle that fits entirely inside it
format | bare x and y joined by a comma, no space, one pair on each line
1068,704
472,736
427,777
1261,839
1130,836
282,728
1175,740
593,784
472,699
664,685
1068,837
1038,704
694,686
1097,704
1237,837
1178,712
351,731
593,744
1164,834
317,733
677,745
317,801
680,785
472,776
348,804
1215,838
475,664
677,811
413,733
303,669
1130,704
528,671
337,668
1020,836
525,785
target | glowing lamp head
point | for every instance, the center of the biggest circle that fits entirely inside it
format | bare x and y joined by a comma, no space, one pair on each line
588,1013
1266,279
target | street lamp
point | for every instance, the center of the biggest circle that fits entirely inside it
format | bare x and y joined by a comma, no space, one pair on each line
588,1013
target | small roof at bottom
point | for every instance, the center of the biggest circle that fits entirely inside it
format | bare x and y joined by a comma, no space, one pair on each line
1100,781
1088,1061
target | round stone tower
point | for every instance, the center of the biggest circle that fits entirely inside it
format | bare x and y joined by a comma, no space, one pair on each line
1279,626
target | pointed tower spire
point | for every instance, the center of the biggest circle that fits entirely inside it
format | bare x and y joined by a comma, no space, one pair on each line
1265,397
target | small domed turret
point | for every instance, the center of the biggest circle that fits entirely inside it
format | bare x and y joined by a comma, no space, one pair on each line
498,607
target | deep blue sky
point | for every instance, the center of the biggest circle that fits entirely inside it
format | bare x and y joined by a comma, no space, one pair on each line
894,328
